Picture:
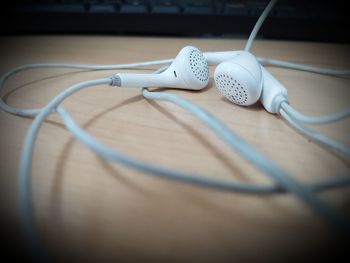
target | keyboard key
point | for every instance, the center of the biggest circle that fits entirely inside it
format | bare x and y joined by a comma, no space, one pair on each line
200,7
134,7
235,8
102,8
165,7
52,8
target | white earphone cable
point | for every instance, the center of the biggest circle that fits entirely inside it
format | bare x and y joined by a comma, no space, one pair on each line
24,183
233,140
200,180
315,120
258,24
283,181
303,67
26,208
253,156
34,112
318,137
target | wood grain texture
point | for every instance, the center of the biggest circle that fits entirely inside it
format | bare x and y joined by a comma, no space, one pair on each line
88,208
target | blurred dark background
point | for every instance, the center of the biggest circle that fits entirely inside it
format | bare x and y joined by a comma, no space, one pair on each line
291,20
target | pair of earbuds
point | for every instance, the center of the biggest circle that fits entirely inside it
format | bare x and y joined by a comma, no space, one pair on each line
239,77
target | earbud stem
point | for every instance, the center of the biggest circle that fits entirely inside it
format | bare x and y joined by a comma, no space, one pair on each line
132,80
273,93
215,58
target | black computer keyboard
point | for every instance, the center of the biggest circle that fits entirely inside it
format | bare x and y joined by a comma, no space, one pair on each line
300,20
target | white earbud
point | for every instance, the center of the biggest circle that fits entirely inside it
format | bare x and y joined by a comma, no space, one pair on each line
239,79
189,70
244,81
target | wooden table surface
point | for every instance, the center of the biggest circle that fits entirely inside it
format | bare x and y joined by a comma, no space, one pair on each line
89,208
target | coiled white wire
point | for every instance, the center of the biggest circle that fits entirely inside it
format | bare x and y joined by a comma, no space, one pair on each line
315,120
291,115
258,24
220,129
210,182
303,191
25,201
302,67
34,112
316,136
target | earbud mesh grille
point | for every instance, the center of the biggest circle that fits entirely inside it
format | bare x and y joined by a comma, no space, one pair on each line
231,89
199,65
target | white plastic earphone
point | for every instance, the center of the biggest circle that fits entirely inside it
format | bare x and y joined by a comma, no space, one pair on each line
189,70
243,81
238,76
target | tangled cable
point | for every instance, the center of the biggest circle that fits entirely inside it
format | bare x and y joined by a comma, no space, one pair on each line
282,182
